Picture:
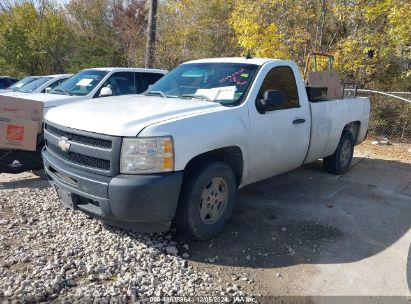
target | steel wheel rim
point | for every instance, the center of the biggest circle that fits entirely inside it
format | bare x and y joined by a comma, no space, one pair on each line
345,153
213,201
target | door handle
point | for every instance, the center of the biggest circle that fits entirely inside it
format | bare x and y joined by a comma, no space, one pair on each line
298,121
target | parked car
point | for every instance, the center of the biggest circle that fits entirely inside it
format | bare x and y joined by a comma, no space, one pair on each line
180,151
87,84
18,84
6,81
99,82
38,84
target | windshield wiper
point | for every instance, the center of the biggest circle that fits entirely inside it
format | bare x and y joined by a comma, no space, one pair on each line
203,97
60,90
158,93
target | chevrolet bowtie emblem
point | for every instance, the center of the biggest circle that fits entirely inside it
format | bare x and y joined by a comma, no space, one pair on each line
64,144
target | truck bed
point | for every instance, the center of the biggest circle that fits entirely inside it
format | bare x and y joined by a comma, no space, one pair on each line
329,119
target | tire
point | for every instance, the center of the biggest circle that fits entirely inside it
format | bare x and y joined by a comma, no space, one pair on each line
340,161
40,173
207,200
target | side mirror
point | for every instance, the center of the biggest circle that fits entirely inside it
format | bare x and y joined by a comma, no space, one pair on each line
106,92
47,90
273,99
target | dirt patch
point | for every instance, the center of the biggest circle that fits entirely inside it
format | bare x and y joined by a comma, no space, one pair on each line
393,151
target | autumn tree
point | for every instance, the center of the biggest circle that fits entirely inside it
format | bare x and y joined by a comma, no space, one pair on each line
192,29
381,29
287,29
130,22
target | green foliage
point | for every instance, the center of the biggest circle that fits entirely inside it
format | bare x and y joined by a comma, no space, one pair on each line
33,41
96,40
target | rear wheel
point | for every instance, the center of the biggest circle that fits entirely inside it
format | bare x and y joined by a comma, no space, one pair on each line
340,161
207,200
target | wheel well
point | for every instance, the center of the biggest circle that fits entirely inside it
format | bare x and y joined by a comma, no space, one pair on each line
233,156
353,128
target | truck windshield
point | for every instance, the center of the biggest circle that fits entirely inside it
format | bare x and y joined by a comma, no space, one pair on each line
80,84
33,85
226,83
22,82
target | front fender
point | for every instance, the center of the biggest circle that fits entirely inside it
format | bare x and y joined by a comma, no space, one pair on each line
200,133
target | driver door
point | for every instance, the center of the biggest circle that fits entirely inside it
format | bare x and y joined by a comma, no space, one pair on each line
279,139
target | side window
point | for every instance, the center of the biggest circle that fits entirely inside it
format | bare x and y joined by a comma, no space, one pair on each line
145,80
282,79
9,82
56,83
120,83
2,84
53,85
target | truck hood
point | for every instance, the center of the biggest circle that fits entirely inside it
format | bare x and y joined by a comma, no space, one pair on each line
125,115
49,100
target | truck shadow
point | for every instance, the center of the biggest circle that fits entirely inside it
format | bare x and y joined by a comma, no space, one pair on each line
309,216
24,182
409,269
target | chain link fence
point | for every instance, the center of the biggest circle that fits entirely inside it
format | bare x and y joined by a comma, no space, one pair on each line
390,116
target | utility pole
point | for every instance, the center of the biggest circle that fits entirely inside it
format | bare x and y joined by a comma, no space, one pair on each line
151,34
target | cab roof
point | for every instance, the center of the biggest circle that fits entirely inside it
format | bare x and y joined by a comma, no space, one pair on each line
111,69
256,61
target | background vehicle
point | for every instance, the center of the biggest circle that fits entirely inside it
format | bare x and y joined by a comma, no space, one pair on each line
87,84
38,84
207,128
18,84
98,82
6,81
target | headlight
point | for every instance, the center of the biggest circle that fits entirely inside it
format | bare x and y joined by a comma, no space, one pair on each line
147,155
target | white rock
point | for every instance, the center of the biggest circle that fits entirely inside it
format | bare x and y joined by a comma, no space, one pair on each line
8,292
172,250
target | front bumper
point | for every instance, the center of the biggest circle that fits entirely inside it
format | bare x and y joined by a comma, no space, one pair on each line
145,203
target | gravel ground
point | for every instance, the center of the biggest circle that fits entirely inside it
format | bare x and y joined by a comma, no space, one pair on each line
48,252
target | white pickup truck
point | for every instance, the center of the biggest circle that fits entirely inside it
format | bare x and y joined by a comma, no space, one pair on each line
179,152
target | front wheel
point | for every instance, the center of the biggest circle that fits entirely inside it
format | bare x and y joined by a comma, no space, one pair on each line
207,200
340,161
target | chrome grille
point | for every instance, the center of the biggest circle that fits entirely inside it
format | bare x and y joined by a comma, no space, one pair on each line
77,158
83,150
90,141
